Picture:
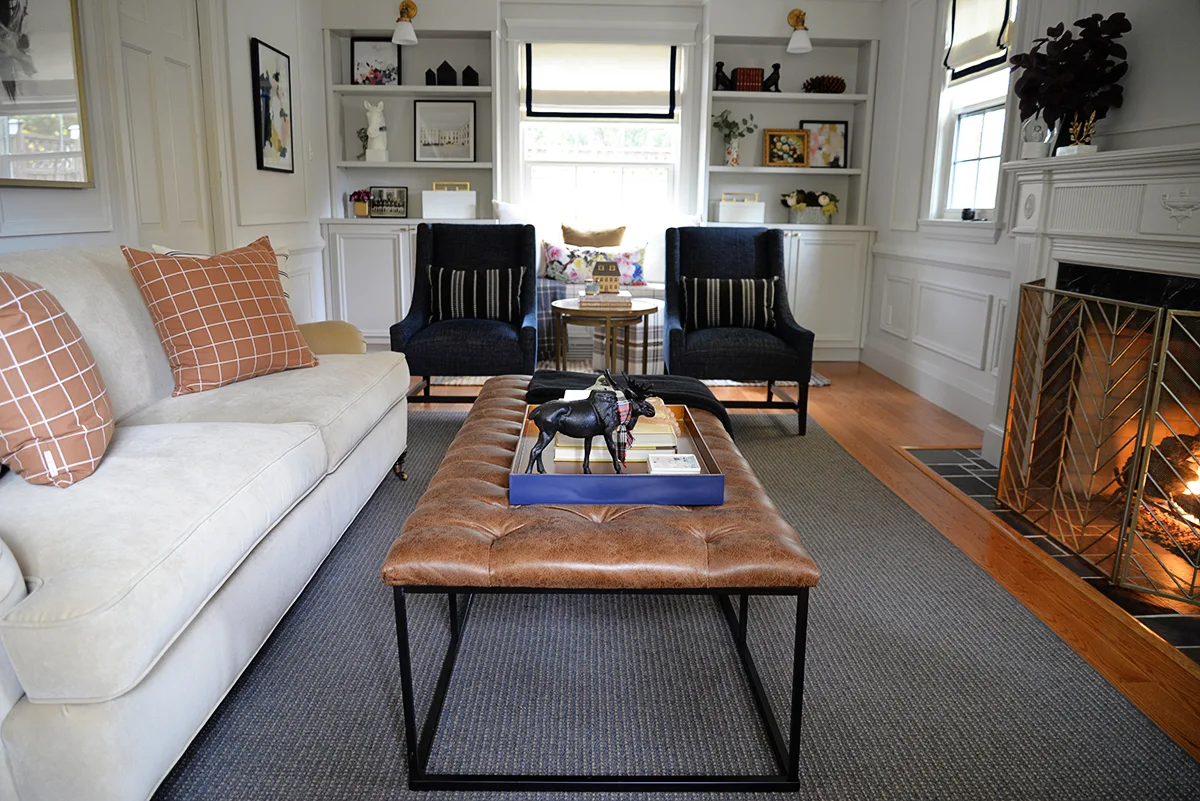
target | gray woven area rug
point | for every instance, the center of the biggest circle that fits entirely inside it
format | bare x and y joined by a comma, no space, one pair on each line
925,680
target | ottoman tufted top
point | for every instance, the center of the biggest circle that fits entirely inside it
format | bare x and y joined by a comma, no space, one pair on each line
464,533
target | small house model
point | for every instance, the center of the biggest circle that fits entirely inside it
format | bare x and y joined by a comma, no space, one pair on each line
608,275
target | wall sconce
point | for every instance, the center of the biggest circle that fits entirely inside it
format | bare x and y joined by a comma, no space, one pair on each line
799,43
405,35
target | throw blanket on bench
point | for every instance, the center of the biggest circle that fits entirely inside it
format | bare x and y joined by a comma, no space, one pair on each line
547,385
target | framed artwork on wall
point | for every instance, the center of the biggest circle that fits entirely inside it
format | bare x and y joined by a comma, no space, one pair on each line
374,61
43,114
389,201
444,130
827,143
271,73
785,147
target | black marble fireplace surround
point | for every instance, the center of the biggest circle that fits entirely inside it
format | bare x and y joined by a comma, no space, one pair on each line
1177,292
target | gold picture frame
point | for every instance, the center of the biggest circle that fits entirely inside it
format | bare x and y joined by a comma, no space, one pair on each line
785,147
43,21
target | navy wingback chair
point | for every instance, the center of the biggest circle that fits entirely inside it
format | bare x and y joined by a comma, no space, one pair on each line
468,347
782,353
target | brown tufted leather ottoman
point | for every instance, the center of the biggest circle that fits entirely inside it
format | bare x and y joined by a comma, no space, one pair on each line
464,538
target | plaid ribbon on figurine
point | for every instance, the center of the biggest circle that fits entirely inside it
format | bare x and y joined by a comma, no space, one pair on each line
623,435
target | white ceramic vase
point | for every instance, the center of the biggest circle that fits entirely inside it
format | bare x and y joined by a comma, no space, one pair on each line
731,152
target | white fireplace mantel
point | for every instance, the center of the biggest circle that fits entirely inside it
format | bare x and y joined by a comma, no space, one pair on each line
1129,209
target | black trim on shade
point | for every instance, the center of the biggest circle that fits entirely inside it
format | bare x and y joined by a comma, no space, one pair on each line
595,115
983,65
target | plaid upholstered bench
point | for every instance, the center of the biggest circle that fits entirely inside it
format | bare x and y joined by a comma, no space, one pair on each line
464,539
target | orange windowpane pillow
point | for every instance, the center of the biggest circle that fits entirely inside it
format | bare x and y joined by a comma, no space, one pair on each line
221,319
55,417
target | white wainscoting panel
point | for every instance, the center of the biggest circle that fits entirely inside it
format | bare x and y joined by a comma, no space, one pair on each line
952,321
895,311
996,336
1097,209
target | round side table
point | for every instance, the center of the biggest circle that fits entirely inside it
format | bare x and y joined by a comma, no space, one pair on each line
568,312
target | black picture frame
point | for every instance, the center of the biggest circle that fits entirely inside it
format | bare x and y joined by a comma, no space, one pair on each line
355,41
265,129
418,105
385,208
816,160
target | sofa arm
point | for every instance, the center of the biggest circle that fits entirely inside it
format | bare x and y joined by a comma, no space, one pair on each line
333,336
673,339
12,592
796,337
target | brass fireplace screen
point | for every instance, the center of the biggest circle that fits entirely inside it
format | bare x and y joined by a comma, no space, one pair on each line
1102,448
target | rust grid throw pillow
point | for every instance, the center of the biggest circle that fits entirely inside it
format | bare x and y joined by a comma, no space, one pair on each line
221,319
55,417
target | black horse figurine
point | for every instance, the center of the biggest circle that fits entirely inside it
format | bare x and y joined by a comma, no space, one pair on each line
596,415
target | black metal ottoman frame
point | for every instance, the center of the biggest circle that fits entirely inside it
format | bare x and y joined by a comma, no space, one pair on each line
786,754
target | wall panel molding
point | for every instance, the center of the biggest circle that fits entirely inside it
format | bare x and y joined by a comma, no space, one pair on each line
966,265
896,288
952,321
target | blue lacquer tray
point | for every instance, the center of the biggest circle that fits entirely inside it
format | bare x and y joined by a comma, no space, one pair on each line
566,483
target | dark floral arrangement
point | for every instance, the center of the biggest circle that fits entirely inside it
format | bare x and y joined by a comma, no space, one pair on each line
1073,77
360,196
801,199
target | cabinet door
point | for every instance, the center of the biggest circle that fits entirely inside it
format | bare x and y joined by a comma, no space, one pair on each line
371,278
826,282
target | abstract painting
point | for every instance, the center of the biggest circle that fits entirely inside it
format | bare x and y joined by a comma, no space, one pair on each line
272,91
826,143
374,62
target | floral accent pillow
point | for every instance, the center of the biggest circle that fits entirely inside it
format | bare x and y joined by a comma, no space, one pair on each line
573,264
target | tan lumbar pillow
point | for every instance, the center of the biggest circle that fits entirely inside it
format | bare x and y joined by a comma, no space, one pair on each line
593,238
221,319
55,416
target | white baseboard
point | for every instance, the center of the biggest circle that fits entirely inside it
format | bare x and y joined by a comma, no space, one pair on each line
931,386
832,354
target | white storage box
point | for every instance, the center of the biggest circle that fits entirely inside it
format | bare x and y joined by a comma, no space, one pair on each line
448,201
741,207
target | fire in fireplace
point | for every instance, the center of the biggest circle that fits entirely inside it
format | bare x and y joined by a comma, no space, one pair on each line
1102,447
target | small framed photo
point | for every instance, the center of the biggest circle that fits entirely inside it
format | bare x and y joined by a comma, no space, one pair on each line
827,143
785,147
389,201
374,61
444,130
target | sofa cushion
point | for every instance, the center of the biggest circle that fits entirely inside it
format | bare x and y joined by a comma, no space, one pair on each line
465,347
122,562
221,319
344,396
55,416
96,288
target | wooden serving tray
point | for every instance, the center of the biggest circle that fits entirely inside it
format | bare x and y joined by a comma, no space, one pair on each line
566,483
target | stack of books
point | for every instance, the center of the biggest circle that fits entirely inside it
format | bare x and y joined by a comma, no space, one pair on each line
619,300
649,437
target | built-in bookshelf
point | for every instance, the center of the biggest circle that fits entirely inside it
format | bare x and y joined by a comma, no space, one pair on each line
853,60
346,114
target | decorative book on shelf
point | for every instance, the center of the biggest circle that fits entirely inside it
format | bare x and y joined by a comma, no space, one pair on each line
748,79
615,300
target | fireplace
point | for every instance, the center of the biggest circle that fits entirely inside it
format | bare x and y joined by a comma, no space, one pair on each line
1102,442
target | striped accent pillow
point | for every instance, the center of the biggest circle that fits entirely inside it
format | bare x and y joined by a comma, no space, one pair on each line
221,319
475,294
55,417
729,302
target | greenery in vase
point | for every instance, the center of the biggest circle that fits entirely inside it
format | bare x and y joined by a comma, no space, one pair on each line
1072,78
802,199
730,128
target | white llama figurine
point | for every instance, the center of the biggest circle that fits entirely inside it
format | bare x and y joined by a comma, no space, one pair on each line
377,149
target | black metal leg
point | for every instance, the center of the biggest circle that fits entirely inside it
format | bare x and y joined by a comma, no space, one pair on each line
398,468
428,385
770,390
418,750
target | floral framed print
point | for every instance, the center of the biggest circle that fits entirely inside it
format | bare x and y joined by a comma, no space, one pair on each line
374,61
785,147
444,130
827,140
43,111
271,71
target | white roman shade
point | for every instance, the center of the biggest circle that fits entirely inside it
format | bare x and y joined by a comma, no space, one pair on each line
979,36
630,23
590,80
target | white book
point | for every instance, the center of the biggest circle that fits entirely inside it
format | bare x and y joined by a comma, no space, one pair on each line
674,464
599,455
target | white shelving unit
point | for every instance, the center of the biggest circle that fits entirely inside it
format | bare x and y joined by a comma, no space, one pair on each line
855,61
344,104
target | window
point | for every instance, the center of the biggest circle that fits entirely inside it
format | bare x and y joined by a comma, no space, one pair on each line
41,146
600,130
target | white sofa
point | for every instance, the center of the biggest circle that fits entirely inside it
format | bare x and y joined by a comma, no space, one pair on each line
131,602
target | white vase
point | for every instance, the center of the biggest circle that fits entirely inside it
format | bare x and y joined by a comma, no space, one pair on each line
731,152
1076,150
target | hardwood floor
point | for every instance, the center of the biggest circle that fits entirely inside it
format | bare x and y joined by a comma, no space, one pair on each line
873,418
